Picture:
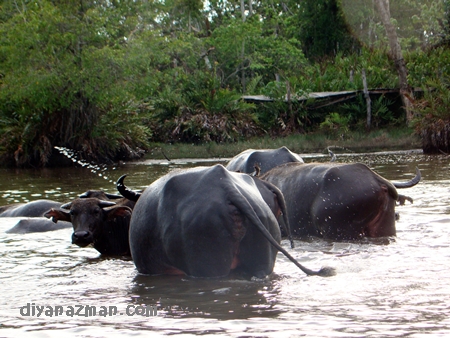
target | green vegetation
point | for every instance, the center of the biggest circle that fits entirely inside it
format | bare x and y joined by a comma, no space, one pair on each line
379,140
110,79
432,122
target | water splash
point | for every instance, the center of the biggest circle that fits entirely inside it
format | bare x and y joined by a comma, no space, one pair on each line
96,169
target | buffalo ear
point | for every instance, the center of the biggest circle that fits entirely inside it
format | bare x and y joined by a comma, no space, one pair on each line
118,212
58,215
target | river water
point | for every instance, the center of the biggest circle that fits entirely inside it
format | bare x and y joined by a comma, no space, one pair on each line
394,287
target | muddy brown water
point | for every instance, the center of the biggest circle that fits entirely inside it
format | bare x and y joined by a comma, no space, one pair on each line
395,287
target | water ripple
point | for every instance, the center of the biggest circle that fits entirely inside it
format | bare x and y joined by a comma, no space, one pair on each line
393,287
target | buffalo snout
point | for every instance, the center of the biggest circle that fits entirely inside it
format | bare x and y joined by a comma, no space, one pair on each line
82,238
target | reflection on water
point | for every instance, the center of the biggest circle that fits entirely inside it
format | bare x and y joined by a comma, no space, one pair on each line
387,287
210,298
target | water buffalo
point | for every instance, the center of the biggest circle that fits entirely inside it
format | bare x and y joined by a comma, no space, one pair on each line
31,209
265,159
205,222
104,224
270,194
37,224
338,201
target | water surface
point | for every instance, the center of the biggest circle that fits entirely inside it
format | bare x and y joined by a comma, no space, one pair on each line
394,287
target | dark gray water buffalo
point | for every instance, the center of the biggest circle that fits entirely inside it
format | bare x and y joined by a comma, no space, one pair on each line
37,224
31,209
104,224
205,222
270,194
264,159
337,201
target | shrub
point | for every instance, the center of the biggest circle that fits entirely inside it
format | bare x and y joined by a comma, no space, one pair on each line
432,118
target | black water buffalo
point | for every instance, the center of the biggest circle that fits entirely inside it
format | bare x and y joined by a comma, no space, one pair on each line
31,209
264,159
337,201
270,194
37,224
104,224
205,222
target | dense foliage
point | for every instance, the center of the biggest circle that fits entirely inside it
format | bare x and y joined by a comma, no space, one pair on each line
106,78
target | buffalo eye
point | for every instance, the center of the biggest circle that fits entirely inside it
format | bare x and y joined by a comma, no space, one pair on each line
72,212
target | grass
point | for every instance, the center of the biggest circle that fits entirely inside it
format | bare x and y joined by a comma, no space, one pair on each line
379,140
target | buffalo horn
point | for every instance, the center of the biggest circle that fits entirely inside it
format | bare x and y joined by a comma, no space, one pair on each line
125,192
411,183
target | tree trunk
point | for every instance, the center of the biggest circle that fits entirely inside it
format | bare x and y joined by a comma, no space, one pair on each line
243,49
396,52
243,10
368,101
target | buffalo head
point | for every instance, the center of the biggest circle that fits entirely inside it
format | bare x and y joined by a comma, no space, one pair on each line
101,223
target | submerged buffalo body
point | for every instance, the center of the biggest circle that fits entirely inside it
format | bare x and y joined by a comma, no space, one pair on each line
337,201
37,224
31,209
204,222
264,159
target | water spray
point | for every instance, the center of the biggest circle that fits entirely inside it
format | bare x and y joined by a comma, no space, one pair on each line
94,168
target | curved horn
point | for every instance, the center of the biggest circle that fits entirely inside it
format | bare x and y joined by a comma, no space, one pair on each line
104,204
99,194
244,206
113,196
66,206
411,183
125,192
84,195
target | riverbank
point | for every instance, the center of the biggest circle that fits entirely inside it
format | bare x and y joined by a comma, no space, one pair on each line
379,140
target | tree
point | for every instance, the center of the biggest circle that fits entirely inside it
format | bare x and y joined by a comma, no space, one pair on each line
322,29
406,92
104,77
63,81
